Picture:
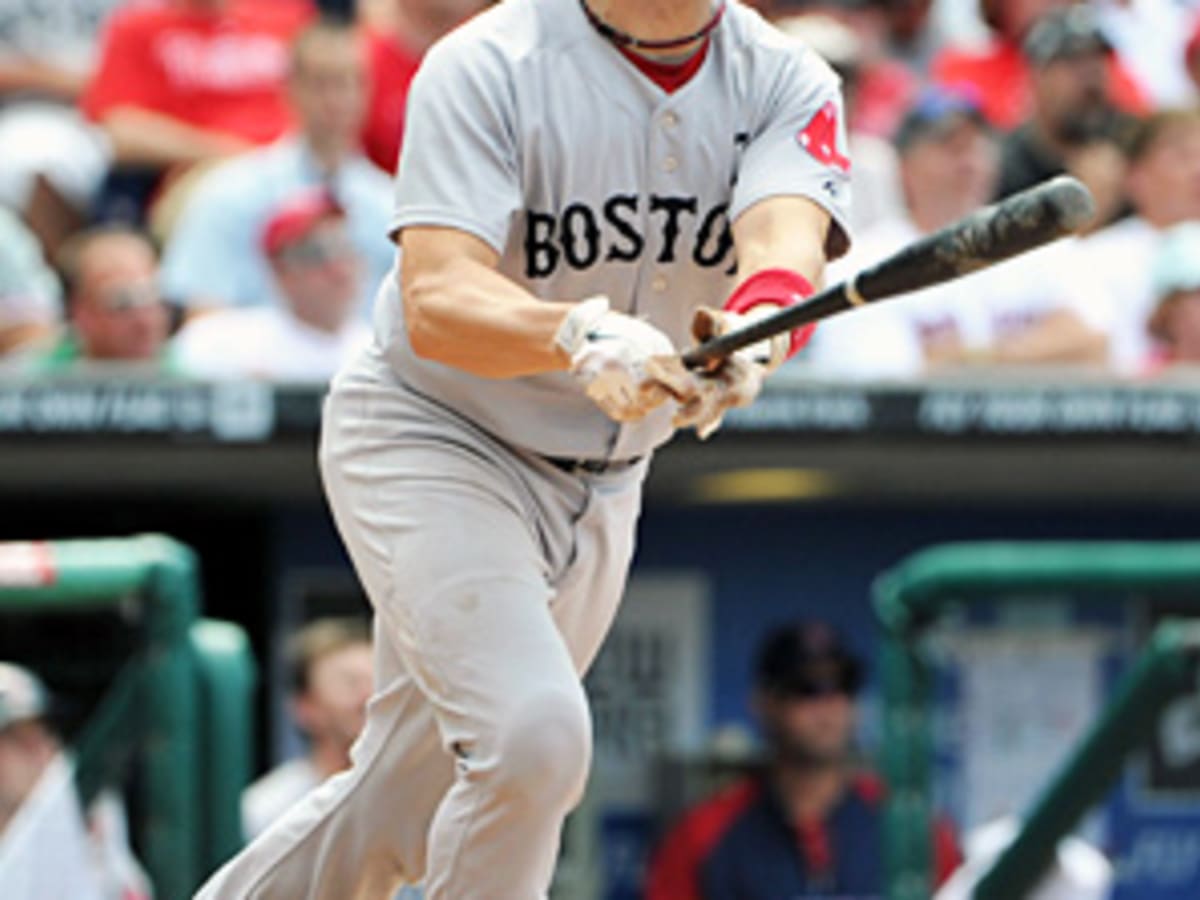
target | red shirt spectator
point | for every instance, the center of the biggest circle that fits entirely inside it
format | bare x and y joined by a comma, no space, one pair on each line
1191,55
398,32
215,66
391,65
1000,75
886,89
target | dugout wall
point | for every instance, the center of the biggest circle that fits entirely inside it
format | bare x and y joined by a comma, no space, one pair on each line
911,598
114,625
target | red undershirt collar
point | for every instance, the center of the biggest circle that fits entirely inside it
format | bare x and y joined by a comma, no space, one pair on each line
668,76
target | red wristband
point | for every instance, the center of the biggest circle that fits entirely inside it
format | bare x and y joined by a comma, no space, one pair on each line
779,287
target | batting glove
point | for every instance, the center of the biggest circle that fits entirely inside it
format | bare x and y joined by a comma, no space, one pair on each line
611,355
738,379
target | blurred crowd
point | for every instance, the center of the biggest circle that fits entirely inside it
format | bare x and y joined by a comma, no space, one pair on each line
201,187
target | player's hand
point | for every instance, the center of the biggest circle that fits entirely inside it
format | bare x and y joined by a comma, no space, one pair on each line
770,353
611,353
735,381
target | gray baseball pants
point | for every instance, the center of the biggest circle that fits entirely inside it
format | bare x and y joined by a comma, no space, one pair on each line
494,577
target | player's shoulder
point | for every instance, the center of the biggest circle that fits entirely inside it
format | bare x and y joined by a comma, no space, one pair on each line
503,34
753,37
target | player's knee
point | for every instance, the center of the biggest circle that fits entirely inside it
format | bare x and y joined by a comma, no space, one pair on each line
545,752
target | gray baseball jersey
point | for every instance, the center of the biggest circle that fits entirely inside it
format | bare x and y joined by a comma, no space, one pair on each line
529,130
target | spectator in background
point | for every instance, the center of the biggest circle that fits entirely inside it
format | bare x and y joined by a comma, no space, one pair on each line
810,824
1163,184
51,159
912,36
180,82
398,32
876,177
331,681
47,848
1149,36
29,291
1073,126
315,331
210,260
27,745
1022,312
999,72
1192,56
115,310
1175,320
884,87
1077,870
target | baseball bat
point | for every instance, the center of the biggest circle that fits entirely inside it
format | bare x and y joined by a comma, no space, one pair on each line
1020,223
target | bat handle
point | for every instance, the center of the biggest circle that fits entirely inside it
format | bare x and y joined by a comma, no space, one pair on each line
820,306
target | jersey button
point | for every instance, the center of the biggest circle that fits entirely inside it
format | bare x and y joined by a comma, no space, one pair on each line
670,164
659,284
670,120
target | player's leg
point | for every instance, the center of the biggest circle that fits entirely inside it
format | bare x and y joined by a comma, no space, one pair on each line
509,705
588,591
457,572
332,844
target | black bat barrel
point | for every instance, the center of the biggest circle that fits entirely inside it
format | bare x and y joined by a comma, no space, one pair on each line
1020,223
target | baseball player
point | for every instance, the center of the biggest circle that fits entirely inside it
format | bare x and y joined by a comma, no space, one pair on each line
577,180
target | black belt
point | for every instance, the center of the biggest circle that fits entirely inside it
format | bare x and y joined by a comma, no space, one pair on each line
591,466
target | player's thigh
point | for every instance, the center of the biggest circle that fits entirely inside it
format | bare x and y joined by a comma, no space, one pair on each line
453,564
589,592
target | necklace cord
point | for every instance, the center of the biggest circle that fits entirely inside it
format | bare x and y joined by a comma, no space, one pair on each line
624,39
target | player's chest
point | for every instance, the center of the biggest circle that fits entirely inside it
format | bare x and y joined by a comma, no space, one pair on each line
628,182
595,139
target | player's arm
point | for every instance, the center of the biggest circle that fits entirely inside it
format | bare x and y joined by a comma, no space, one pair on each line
461,312
780,243
786,232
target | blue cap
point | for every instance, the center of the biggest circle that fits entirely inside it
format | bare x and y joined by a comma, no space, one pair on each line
1177,264
935,110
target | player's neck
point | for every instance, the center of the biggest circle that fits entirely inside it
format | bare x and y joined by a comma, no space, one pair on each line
656,20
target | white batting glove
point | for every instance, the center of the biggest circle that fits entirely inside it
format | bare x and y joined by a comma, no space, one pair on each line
738,380
609,353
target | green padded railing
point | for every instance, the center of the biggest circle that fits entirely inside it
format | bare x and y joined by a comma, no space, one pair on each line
912,596
181,703
227,679
1160,674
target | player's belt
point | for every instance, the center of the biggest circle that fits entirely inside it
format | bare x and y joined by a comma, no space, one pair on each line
592,466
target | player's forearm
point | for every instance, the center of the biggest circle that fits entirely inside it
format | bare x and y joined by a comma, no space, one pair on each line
466,315
142,137
782,233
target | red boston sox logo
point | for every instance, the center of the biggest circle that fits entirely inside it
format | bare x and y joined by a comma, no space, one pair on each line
819,138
